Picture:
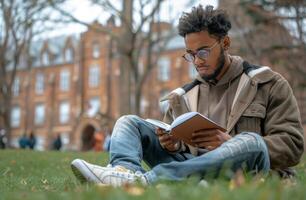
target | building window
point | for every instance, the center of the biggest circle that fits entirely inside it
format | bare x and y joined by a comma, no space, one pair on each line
39,84
143,105
192,71
94,76
96,50
15,116
68,55
93,106
64,80
178,62
16,87
64,112
45,59
39,114
163,69
164,104
65,140
40,142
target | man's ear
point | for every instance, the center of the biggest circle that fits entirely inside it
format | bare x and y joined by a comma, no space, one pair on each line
226,42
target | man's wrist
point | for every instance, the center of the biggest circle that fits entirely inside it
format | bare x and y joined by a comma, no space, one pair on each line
177,147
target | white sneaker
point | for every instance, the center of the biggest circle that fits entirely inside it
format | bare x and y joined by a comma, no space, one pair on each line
115,176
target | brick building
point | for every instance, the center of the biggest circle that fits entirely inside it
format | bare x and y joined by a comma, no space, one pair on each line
70,87
73,84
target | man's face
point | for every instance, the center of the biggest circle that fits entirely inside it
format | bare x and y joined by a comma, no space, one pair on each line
202,40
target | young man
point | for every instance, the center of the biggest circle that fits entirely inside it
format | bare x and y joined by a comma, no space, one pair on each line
255,104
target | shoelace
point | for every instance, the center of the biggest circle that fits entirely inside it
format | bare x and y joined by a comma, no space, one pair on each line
123,173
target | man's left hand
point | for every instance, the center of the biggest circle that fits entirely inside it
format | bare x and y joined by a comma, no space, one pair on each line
209,139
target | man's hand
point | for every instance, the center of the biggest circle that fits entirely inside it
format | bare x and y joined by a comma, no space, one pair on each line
167,141
210,138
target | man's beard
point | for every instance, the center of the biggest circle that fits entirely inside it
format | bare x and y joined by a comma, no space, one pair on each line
220,65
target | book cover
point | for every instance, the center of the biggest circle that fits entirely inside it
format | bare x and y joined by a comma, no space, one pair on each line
183,126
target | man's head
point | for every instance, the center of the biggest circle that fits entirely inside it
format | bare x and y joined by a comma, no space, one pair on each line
205,33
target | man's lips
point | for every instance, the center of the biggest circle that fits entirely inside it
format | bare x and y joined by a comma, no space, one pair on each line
200,68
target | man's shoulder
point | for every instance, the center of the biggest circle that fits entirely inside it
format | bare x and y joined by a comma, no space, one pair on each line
262,74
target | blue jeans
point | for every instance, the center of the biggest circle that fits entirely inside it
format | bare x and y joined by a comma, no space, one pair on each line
134,140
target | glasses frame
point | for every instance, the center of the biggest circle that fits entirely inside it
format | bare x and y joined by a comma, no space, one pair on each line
193,55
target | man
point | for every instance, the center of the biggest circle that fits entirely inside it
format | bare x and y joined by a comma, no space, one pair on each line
255,104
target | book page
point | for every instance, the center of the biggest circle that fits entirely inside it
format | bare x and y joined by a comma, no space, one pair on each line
159,124
184,117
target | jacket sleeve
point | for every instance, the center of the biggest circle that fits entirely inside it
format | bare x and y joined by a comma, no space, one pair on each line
177,106
283,128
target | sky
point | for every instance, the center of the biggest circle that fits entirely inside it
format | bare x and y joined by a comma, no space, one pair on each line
84,11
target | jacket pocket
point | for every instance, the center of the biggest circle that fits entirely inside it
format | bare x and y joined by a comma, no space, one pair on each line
252,119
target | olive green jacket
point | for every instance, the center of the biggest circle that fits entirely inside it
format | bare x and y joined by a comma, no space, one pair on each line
264,103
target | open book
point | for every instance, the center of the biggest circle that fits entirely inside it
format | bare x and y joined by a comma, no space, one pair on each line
183,126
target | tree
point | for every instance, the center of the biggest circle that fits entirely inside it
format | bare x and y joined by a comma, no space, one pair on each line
271,32
20,22
135,39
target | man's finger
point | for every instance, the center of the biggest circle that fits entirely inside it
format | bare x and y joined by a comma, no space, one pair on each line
204,133
208,145
160,131
168,143
198,139
164,138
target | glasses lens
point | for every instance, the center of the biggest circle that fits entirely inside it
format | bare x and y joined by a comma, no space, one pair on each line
189,57
203,54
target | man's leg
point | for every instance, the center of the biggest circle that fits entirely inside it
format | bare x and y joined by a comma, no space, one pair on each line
244,149
134,140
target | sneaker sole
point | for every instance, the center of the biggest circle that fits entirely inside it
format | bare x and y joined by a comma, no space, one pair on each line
79,169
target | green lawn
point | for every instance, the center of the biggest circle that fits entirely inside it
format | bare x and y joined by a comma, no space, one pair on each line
47,175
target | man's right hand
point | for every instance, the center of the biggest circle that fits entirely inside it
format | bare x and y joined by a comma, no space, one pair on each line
167,141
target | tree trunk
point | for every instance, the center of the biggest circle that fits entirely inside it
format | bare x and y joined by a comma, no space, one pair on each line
109,80
7,118
125,86
125,44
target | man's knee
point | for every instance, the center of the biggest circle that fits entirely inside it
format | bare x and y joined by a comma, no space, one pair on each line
128,119
256,139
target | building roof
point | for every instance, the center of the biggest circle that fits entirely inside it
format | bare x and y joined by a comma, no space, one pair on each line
56,47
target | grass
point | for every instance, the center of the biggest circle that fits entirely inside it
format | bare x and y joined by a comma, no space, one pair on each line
34,175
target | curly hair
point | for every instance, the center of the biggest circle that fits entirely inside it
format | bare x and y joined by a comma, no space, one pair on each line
215,22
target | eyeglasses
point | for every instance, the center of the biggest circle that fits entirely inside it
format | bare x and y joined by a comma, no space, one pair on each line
202,53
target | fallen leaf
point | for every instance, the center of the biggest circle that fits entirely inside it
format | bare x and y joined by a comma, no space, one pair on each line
44,181
133,190
203,183
33,189
288,182
23,182
47,187
237,181
6,171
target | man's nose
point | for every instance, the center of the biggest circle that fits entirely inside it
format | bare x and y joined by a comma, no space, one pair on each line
198,61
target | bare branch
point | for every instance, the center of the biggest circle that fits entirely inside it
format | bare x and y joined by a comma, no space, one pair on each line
107,5
149,16
72,18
